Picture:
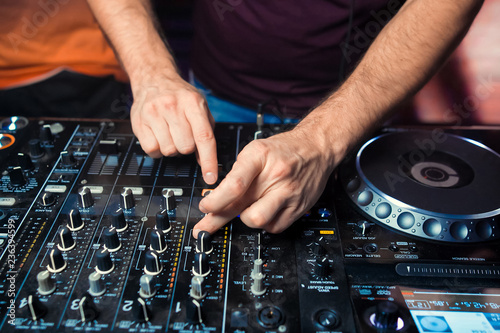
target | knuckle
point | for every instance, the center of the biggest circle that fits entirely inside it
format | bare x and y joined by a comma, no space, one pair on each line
256,220
282,169
186,148
204,136
235,185
168,150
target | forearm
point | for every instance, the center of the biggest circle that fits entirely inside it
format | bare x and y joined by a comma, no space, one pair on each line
130,26
407,52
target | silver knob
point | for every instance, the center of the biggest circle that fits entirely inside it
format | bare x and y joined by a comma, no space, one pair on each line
258,287
46,285
96,284
148,288
197,286
258,265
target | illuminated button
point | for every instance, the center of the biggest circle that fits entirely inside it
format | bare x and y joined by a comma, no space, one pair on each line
484,229
365,197
459,231
7,202
432,227
406,220
56,188
353,185
324,213
383,210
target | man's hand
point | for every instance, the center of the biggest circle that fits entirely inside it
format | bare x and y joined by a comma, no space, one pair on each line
171,117
272,183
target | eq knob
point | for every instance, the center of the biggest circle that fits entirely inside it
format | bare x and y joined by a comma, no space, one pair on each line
75,222
118,220
322,267
46,134
153,265
158,242
96,284
36,308
67,158
204,242
56,261
201,266
66,240
87,308
141,311
169,200
17,177
47,199
35,148
105,264
258,288
46,285
25,161
147,283
111,240
197,286
386,316
127,199
163,221
193,312
86,199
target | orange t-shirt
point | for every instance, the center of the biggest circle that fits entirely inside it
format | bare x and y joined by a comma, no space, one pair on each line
39,38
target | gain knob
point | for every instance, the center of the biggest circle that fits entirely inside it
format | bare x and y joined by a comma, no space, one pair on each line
169,199
75,222
105,264
56,261
322,267
47,199
141,311
147,283
17,177
46,284
127,199
201,266
204,242
152,264
87,308
193,312
35,148
36,308
46,134
386,316
158,242
163,221
258,265
197,288
111,240
66,240
25,162
96,284
118,220
67,159
86,199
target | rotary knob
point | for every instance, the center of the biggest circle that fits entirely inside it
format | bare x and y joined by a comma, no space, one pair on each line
141,311
204,242
153,265
118,220
86,199
169,200
66,240
67,159
147,283
158,242
105,264
111,240
35,148
363,228
75,222
318,249
127,199
25,162
87,308
96,284
258,288
36,308
46,285
193,312
386,316
258,265
322,267
47,199
197,288
56,261
201,266
163,221
17,177
46,134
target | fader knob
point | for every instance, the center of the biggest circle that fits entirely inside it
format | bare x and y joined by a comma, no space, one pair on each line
17,177
104,263
169,200
163,221
111,240
56,261
148,288
46,285
386,316
193,312
197,286
67,158
36,308
152,264
201,267
24,161
87,308
118,220
204,242
66,241
322,266
96,284
35,148
158,242
46,134
127,199
258,287
75,222
86,199
141,311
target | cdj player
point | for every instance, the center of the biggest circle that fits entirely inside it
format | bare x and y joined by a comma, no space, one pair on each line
95,236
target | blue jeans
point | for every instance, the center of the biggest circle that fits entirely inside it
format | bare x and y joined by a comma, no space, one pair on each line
225,111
